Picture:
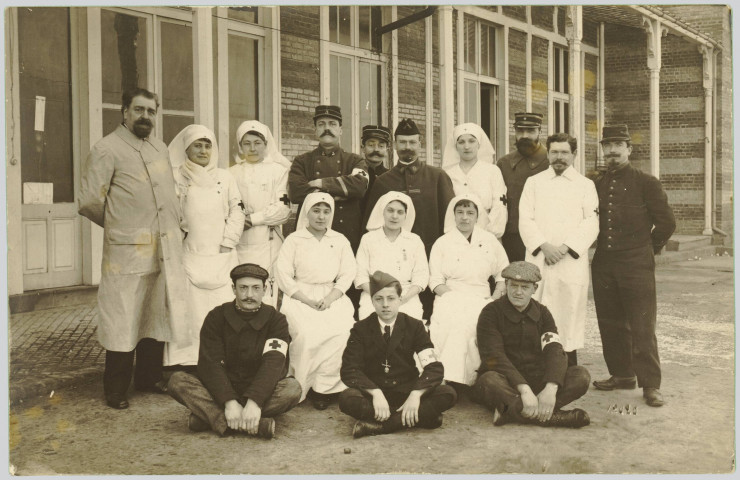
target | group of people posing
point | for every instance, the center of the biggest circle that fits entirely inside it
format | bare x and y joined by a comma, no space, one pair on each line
395,289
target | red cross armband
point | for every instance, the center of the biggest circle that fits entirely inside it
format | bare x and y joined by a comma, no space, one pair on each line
427,356
549,337
275,344
362,173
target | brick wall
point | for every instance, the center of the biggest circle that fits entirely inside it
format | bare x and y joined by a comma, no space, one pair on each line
515,11
542,17
299,63
517,76
540,76
589,144
412,72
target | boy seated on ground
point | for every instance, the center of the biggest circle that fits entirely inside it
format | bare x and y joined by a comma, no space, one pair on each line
385,391
240,383
524,375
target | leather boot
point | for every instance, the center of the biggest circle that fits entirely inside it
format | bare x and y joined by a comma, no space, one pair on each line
575,418
266,428
197,424
362,429
613,383
653,397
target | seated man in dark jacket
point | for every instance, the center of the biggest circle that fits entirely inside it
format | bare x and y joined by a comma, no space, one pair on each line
385,390
524,375
240,383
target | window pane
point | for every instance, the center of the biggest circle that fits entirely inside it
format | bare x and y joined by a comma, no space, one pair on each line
376,21
173,124
558,123
245,14
44,58
488,50
471,102
470,47
344,21
370,106
333,24
243,84
341,95
566,117
365,27
489,111
566,79
557,53
123,54
111,120
177,67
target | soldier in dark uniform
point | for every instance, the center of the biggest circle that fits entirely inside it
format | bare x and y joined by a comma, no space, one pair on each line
429,187
240,383
376,148
385,391
635,223
529,158
330,169
524,375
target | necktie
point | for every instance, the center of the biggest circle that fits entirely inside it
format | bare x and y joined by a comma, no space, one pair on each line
387,334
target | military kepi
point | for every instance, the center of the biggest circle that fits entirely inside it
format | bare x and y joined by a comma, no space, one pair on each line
331,111
406,127
379,280
527,119
248,270
376,131
618,132
524,271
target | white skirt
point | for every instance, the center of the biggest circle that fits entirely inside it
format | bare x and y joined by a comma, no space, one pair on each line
317,343
453,330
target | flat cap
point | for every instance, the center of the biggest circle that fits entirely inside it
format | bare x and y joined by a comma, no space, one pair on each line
328,111
379,280
376,131
615,132
406,127
527,119
248,270
525,271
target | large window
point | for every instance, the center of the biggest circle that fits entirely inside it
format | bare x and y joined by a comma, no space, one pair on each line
479,99
356,71
561,90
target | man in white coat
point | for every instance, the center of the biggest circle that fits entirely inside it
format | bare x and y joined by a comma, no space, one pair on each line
558,222
128,189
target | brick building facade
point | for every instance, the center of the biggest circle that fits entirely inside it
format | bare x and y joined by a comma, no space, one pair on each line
665,71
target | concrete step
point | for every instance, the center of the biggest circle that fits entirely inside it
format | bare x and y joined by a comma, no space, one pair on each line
52,298
679,243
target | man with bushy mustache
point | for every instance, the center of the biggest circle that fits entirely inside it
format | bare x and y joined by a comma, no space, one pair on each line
330,169
529,158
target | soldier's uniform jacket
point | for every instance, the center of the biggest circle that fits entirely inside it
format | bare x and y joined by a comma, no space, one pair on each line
631,202
516,169
520,345
429,187
344,176
374,173
367,352
240,356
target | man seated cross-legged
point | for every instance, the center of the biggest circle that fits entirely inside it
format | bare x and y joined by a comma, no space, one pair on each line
385,390
240,383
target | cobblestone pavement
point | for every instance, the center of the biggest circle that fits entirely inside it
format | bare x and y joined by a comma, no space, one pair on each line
52,348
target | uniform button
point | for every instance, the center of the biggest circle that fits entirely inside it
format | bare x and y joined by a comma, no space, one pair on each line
614,181
608,219
610,195
609,246
610,204
609,236
394,382
340,221
317,173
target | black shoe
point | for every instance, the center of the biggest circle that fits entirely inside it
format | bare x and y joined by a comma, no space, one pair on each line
117,401
321,401
266,428
158,387
363,429
197,424
653,397
575,418
612,383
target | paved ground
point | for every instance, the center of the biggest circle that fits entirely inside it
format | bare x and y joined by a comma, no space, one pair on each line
73,432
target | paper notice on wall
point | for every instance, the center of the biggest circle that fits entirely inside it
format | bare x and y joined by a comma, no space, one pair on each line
38,193
40,112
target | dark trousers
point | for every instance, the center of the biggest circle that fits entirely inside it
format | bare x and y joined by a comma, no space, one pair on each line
514,246
626,308
359,404
189,391
493,390
426,297
120,365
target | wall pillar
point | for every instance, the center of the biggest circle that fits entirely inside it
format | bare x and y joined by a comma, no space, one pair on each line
707,52
446,90
203,68
574,34
655,31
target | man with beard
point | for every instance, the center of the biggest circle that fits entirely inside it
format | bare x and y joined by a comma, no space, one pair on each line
376,147
429,187
635,223
241,382
529,158
128,189
330,169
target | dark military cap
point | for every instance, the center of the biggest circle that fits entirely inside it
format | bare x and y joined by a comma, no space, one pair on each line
379,280
328,111
248,270
376,131
524,271
527,119
615,132
407,127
